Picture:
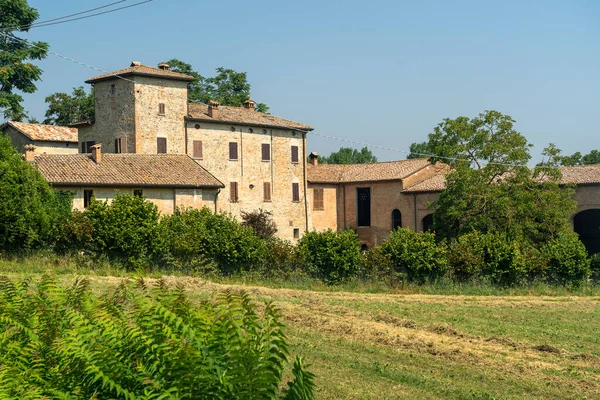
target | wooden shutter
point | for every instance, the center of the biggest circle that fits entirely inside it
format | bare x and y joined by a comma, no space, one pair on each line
161,145
233,150
233,192
295,192
161,108
197,148
318,199
121,145
266,152
267,191
295,154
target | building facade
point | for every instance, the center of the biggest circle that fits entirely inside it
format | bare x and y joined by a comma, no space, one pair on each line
46,139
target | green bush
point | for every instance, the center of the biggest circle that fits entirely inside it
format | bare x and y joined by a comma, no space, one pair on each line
377,265
144,343
200,236
126,231
330,256
281,257
503,261
595,267
568,261
466,257
416,255
29,208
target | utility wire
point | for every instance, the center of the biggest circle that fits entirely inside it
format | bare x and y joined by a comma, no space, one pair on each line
425,155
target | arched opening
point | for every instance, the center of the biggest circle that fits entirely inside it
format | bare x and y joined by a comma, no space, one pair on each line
396,219
587,226
364,247
428,223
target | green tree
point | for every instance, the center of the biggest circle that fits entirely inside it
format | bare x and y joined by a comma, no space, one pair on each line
491,188
419,150
593,157
29,208
65,109
17,74
347,155
228,87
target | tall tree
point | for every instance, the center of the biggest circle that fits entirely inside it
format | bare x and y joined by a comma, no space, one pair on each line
593,157
65,109
491,188
17,74
228,87
347,155
418,150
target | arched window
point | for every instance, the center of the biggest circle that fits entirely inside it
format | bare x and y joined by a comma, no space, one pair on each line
396,219
428,223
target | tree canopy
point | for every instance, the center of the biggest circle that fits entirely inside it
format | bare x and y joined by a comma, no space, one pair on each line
418,150
17,74
347,155
491,189
65,109
593,157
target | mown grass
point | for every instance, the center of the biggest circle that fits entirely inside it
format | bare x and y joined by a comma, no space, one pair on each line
369,341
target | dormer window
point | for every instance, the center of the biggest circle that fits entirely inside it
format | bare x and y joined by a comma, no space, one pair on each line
161,108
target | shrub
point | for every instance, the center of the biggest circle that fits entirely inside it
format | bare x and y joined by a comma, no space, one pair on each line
192,235
141,343
75,233
281,257
503,262
331,256
466,256
416,255
261,221
568,261
595,267
377,265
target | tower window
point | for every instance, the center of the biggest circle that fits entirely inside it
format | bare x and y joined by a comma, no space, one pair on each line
233,150
266,152
295,192
161,108
295,157
161,145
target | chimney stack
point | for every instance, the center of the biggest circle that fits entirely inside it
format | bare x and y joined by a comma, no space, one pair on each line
135,64
213,109
97,153
314,158
249,104
164,66
29,153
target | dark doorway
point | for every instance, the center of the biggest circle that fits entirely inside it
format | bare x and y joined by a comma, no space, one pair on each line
396,219
587,226
363,200
428,223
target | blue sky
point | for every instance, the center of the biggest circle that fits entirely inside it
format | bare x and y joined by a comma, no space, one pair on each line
380,72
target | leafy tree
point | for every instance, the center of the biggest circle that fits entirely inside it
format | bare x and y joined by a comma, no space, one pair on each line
228,87
347,155
593,157
29,208
419,150
491,188
261,221
65,109
16,72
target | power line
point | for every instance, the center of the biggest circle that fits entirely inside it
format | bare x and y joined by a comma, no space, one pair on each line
425,155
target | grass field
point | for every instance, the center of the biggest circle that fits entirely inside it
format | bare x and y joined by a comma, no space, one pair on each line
419,346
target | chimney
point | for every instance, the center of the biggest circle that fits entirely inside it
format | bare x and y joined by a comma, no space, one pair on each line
97,153
249,104
314,158
29,153
164,66
213,109
135,64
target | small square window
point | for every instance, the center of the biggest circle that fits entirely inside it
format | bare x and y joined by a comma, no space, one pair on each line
161,145
296,233
138,193
87,197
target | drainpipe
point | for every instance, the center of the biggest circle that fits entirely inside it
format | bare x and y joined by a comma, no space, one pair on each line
345,224
416,219
186,135
272,166
241,155
217,198
304,179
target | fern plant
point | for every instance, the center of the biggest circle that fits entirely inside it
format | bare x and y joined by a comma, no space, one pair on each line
141,342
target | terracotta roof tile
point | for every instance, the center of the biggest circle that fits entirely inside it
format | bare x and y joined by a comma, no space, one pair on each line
436,183
242,115
143,70
46,133
166,170
381,171
584,174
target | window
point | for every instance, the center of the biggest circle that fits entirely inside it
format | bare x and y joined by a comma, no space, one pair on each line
250,130
233,192
266,152
233,150
138,193
87,197
161,145
197,126
121,145
295,192
428,223
161,108
267,191
396,220
363,202
296,233
113,89
197,145
85,146
318,199
295,154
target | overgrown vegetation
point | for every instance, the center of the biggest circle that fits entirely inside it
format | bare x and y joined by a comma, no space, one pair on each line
141,343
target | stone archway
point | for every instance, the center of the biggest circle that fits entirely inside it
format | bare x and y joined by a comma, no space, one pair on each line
587,225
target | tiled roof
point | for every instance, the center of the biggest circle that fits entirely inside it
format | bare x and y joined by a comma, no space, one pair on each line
242,115
436,183
158,170
144,70
381,171
46,133
584,174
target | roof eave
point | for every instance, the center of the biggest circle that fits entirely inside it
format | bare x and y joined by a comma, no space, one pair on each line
136,185
220,121
119,76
